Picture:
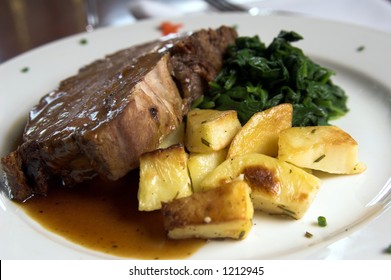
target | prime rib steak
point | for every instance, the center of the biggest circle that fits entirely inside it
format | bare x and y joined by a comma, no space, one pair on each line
101,120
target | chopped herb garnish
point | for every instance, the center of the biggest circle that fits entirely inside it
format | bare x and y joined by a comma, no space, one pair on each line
360,48
320,158
24,69
388,250
256,77
83,41
282,207
287,212
322,222
205,142
308,234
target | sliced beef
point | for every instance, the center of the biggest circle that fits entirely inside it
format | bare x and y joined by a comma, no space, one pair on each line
101,120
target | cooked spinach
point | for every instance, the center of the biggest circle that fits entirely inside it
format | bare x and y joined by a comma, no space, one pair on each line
255,77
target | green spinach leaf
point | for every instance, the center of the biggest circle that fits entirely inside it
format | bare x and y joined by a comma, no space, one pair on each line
256,77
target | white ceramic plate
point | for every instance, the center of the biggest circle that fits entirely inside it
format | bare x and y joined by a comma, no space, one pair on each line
350,203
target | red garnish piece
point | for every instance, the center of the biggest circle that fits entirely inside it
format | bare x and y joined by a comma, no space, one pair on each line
168,27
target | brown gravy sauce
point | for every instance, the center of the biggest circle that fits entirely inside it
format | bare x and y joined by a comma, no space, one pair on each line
104,217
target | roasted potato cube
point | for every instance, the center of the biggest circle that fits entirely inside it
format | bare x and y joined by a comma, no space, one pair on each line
223,212
260,133
163,177
277,187
201,164
326,148
174,138
210,130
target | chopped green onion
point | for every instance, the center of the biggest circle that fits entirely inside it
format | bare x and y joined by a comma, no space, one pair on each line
24,70
360,48
83,41
322,222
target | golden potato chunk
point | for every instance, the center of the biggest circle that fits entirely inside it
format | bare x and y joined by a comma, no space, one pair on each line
201,164
260,133
163,177
174,138
223,212
277,187
210,130
326,148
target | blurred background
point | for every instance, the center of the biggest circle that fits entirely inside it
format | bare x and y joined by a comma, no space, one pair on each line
26,24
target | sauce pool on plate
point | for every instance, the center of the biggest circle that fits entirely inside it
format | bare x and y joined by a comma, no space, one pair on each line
103,216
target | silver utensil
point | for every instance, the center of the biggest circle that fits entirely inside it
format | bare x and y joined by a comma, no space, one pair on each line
226,6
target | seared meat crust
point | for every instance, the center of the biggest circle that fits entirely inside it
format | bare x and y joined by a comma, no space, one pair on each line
100,121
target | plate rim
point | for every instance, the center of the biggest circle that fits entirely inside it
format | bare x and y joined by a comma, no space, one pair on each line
151,22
